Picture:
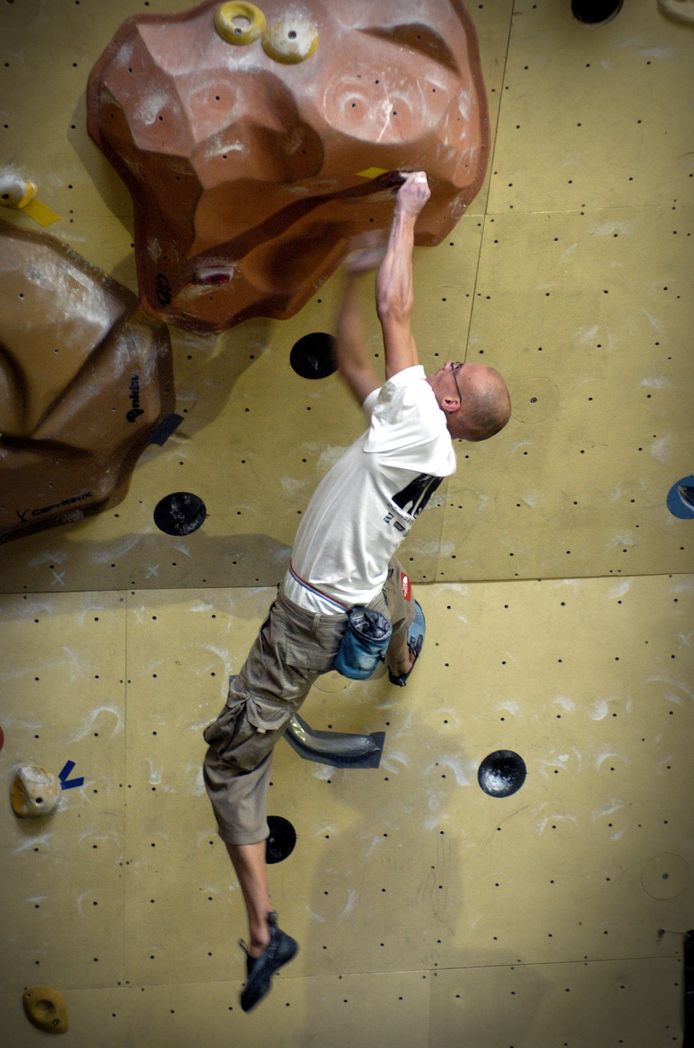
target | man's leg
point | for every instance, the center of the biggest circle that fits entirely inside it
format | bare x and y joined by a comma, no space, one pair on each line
262,699
238,799
249,863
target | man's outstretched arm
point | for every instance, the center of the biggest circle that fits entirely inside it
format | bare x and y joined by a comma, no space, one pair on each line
394,295
394,290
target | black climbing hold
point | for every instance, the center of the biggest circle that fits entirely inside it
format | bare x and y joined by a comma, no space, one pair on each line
180,513
501,773
281,841
595,12
313,356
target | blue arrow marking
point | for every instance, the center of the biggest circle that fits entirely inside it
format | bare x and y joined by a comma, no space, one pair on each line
67,783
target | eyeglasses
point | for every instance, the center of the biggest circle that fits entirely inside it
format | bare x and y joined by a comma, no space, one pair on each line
454,369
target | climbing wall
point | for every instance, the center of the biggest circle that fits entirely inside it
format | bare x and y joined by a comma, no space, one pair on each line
557,583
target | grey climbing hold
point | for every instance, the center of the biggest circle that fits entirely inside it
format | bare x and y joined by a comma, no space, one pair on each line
338,749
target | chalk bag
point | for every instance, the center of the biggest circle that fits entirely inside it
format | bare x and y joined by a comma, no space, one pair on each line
364,643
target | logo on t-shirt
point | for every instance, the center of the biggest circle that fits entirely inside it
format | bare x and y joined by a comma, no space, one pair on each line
413,499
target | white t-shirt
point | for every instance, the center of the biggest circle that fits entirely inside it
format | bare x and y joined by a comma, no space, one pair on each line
366,504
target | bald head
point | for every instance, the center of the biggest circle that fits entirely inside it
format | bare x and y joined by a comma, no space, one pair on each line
486,404
474,398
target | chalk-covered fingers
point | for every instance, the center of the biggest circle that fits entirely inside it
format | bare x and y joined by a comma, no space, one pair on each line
413,193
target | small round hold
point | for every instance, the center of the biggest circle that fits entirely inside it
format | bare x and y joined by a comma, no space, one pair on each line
290,40
34,791
502,773
280,843
46,1009
239,23
180,513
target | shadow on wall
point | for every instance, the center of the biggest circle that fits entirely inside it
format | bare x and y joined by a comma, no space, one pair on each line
158,561
207,368
110,187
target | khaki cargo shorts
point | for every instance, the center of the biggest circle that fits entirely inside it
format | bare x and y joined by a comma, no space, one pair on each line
293,647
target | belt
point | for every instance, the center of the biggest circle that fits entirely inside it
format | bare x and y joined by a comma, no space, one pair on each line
314,589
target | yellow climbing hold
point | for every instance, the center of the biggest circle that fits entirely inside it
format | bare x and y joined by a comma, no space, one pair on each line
30,191
239,23
290,40
46,1009
17,192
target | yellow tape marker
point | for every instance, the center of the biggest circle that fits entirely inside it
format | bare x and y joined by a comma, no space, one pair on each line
40,213
372,172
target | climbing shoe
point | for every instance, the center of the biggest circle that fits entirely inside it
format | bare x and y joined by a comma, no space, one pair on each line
259,970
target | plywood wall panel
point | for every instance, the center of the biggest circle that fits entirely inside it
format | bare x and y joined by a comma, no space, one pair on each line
564,1004
590,115
63,699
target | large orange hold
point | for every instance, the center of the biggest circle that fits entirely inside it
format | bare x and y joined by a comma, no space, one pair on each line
251,141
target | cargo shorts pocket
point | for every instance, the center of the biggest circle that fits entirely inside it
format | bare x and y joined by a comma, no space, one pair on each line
246,731
222,726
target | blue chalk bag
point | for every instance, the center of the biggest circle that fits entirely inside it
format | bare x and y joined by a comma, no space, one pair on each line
364,643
